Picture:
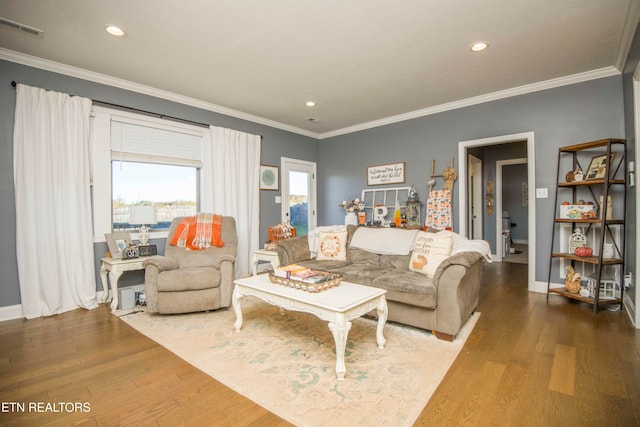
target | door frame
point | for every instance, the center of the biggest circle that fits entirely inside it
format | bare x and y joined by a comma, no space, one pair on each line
529,137
287,164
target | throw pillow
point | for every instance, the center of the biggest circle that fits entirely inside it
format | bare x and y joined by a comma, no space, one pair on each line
333,246
429,250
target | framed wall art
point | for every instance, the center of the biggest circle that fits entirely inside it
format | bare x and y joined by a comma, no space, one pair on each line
269,177
392,173
598,166
117,241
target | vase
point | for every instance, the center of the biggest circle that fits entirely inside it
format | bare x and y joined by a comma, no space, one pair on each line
351,218
607,252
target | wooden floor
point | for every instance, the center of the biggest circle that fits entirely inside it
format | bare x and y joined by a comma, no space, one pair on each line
528,362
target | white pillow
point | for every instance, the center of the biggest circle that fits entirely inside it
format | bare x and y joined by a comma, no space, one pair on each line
333,246
429,250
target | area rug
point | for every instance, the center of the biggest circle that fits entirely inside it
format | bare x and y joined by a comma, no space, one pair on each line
286,363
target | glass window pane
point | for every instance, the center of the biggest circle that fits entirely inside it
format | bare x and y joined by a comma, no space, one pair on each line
171,189
299,201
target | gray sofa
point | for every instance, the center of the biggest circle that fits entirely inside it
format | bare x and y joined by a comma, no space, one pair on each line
441,304
184,281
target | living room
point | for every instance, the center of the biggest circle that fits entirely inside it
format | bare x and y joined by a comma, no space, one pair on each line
577,109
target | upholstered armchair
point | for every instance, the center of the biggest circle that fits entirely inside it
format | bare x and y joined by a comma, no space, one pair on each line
184,280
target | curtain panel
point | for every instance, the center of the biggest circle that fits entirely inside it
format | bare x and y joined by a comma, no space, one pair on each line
54,238
231,169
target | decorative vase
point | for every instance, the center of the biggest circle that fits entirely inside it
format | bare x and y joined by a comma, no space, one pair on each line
351,218
607,251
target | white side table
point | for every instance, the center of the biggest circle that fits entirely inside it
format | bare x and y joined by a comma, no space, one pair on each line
264,255
114,268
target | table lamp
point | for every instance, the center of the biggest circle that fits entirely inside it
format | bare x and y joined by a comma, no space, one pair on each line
143,216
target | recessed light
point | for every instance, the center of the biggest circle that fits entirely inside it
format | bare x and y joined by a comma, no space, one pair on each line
310,104
479,46
114,30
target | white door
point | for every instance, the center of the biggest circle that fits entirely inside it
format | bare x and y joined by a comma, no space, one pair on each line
475,198
299,194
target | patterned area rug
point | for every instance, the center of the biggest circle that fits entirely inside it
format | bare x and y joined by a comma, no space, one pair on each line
286,363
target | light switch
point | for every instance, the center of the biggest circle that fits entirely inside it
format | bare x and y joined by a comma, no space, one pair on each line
278,199
542,193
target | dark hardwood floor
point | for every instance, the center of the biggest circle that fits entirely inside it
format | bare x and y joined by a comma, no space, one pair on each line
528,362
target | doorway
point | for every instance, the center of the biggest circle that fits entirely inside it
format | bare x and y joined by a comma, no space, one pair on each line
512,202
299,194
463,153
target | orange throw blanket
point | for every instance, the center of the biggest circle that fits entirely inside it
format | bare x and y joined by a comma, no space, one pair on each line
198,232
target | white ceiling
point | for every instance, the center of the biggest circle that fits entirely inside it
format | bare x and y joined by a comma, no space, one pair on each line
364,62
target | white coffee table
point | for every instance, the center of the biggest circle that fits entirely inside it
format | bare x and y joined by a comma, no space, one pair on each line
338,306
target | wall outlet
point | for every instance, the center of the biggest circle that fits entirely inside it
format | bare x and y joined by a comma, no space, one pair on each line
628,280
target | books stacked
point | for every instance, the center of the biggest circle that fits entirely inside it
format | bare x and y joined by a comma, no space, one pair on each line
301,274
287,271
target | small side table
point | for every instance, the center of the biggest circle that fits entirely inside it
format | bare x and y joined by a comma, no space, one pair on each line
264,255
114,268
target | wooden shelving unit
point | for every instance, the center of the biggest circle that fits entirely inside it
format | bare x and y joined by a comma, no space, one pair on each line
612,181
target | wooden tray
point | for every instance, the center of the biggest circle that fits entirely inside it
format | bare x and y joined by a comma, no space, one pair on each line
333,280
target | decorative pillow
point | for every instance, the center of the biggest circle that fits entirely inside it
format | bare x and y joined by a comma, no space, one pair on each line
429,250
333,246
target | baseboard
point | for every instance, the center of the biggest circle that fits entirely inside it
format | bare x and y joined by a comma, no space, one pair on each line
11,312
630,309
540,287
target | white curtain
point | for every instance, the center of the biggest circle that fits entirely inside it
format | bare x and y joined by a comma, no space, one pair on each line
51,174
231,171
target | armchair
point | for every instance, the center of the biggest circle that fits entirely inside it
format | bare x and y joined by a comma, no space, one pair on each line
184,281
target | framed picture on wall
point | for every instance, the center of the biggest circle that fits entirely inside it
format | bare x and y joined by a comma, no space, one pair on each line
392,173
269,177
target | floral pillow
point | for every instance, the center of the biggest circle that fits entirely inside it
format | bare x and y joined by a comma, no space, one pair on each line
333,246
429,250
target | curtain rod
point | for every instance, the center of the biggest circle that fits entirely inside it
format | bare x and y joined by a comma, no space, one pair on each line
162,116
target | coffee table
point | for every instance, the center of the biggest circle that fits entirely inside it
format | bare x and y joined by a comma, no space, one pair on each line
338,306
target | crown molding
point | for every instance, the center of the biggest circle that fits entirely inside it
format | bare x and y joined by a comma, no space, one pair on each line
628,33
507,93
80,73
68,70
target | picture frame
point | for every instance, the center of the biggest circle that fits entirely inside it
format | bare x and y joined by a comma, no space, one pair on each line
598,166
391,173
269,177
117,242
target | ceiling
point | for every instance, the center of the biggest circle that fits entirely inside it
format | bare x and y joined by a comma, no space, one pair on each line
364,62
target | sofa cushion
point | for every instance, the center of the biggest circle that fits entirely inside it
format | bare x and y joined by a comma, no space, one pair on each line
429,250
332,246
408,287
330,266
395,261
360,273
188,279
360,256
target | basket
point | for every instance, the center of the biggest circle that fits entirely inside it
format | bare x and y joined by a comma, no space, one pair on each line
334,279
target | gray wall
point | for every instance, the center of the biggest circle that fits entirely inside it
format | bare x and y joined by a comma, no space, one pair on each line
631,253
276,143
562,116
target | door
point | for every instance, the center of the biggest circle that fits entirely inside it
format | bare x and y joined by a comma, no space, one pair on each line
299,194
475,198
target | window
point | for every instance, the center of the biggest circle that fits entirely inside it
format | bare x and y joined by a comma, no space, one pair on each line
140,160
171,189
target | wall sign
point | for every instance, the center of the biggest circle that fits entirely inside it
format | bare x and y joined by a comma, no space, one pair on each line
392,173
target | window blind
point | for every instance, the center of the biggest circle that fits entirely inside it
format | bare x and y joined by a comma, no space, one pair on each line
136,142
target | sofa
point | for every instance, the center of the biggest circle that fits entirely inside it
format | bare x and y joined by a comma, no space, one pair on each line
441,302
185,281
